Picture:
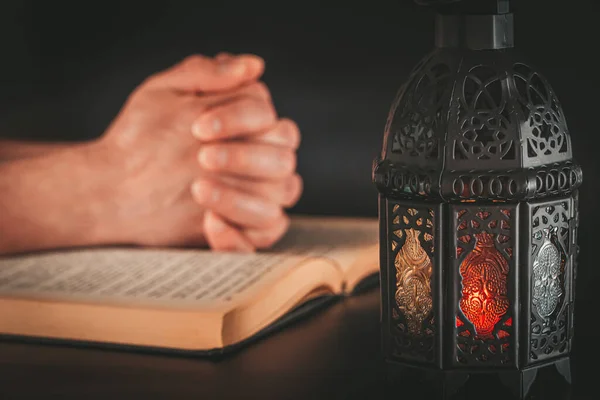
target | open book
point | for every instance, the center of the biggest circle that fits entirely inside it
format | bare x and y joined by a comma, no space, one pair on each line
183,300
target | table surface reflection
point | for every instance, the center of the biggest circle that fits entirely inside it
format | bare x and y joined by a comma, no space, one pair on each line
334,354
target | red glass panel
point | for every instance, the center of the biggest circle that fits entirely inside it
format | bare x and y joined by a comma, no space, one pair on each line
484,274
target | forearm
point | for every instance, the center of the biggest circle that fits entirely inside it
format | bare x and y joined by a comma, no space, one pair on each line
53,201
18,149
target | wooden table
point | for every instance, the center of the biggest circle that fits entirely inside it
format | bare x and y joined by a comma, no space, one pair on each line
332,355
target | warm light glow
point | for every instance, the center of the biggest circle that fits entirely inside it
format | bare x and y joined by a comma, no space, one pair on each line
413,281
484,274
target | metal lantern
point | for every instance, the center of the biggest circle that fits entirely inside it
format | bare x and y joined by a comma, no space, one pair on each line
478,209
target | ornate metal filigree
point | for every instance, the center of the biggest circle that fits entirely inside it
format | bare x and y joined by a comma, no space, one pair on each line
555,179
575,254
484,273
547,265
503,185
545,130
413,281
499,126
549,246
404,182
484,254
484,118
412,246
417,115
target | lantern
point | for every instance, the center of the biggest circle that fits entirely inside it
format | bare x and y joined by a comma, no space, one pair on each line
478,209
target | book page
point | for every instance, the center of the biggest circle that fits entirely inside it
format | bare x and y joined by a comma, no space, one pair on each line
178,278
339,239
164,278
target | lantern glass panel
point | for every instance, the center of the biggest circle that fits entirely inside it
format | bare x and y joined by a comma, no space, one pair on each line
549,274
413,238
484,301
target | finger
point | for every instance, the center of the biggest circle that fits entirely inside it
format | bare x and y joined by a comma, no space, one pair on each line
285,192
254,160
223,56
257,90
285,133
241,117
223,237
265,238
203,74
241,209
195,106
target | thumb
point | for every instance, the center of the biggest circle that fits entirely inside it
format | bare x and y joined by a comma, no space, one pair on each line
204,74
223,237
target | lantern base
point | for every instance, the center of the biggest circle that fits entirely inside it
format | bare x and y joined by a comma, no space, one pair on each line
446,383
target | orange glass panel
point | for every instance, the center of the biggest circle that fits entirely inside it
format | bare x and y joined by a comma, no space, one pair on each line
484,274
413,281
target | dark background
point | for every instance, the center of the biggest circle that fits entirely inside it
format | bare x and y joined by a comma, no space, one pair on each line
67,67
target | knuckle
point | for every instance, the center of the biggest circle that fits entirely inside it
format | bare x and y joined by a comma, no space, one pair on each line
292,130
250,102
259,105
260,90
150,80
290,124
293,190
288,161
253,112
194,60
272,112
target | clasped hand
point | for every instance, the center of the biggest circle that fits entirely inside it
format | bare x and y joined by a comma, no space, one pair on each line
203,158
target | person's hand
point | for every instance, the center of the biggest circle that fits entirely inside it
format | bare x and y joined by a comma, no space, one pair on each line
258,165
198,156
